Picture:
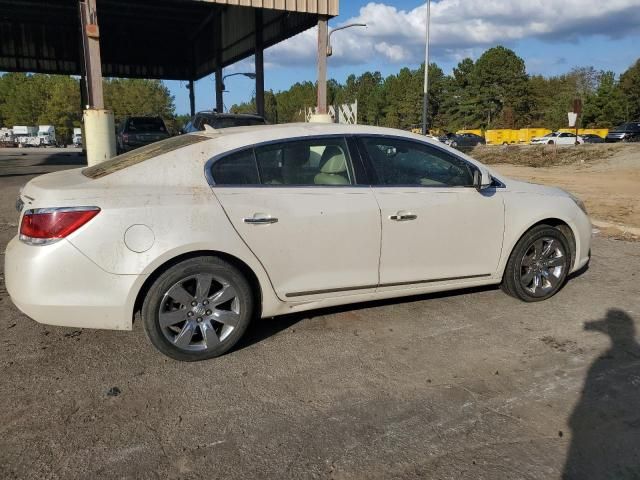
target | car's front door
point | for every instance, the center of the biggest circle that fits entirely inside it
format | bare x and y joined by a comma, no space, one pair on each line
298,207
435,225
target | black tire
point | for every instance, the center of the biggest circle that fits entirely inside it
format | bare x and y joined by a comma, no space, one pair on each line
177,295
550,142
523,264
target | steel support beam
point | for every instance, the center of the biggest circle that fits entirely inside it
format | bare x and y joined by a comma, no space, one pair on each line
192,98
217,22
323,28
91,48
259,61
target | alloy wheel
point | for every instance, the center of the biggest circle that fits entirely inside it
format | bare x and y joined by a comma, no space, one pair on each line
199,312
543,266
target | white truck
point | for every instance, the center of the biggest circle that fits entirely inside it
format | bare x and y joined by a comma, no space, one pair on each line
26,136
77,137
47,135
6,137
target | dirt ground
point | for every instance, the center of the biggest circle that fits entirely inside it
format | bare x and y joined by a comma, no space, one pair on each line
609,186
464,385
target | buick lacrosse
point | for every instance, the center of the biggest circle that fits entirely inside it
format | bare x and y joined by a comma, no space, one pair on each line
203,232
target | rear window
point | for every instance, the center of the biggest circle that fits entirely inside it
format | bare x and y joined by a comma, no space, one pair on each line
141,154
145,124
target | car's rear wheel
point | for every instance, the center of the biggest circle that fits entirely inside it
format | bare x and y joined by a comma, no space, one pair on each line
198,309
538,265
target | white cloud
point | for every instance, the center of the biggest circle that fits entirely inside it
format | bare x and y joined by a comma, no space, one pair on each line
459,27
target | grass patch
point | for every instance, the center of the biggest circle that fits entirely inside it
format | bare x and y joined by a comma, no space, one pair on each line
544,155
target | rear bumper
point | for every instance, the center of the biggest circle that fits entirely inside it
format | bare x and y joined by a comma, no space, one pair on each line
57,285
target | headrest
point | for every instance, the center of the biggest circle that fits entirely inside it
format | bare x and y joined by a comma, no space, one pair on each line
296,155
333,160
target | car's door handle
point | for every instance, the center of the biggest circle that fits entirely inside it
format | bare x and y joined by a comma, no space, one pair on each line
260,219
403,216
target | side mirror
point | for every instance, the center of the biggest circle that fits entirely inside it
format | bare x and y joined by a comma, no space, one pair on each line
481,179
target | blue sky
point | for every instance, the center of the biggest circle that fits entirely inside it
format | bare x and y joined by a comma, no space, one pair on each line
551,35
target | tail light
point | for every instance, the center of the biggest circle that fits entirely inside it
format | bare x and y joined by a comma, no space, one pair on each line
42,226
125,137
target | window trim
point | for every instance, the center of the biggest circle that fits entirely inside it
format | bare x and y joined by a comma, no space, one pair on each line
353,157
373,176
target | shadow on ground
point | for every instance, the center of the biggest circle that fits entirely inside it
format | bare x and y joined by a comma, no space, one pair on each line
605,423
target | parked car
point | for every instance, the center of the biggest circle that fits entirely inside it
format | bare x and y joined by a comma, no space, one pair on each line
627,132
557,138
136,132
464,140
203,232
591,138
221,120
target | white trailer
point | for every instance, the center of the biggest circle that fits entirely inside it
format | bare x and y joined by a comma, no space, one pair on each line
6,137
47,135
26,136
77,137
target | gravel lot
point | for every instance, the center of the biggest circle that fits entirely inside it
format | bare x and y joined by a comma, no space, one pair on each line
469,385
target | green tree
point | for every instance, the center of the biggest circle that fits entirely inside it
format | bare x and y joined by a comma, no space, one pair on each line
605,107
498,80
126,97
630,87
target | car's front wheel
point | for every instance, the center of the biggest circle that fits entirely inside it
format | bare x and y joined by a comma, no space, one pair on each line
198,309
538,265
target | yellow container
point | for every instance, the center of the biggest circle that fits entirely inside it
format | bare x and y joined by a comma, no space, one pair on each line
601,132
474,131
501,136
526,134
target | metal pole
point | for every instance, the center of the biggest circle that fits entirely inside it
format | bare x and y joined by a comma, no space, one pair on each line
218,53
192,98
259,60
322,64
425,100
91,42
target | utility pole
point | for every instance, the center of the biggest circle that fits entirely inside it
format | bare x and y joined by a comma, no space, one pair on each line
425,100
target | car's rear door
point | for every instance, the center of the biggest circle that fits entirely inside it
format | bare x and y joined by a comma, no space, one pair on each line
298,206
435,226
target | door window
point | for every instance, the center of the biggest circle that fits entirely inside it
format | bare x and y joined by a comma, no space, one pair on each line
236,169
305,162
405,162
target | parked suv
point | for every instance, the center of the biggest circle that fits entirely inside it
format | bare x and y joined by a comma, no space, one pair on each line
627,132
136,132
221,120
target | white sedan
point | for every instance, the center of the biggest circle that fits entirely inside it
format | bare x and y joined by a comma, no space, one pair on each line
203,232
557,138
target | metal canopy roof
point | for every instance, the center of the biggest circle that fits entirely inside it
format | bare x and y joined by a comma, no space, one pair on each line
164,39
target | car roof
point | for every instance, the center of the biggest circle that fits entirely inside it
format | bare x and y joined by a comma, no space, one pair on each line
289,130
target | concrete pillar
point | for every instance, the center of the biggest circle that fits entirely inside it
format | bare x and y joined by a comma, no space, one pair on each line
99,132
99,135
259,61
322,64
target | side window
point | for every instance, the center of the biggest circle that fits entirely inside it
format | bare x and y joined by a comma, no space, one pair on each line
405,162
305,162
236,169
